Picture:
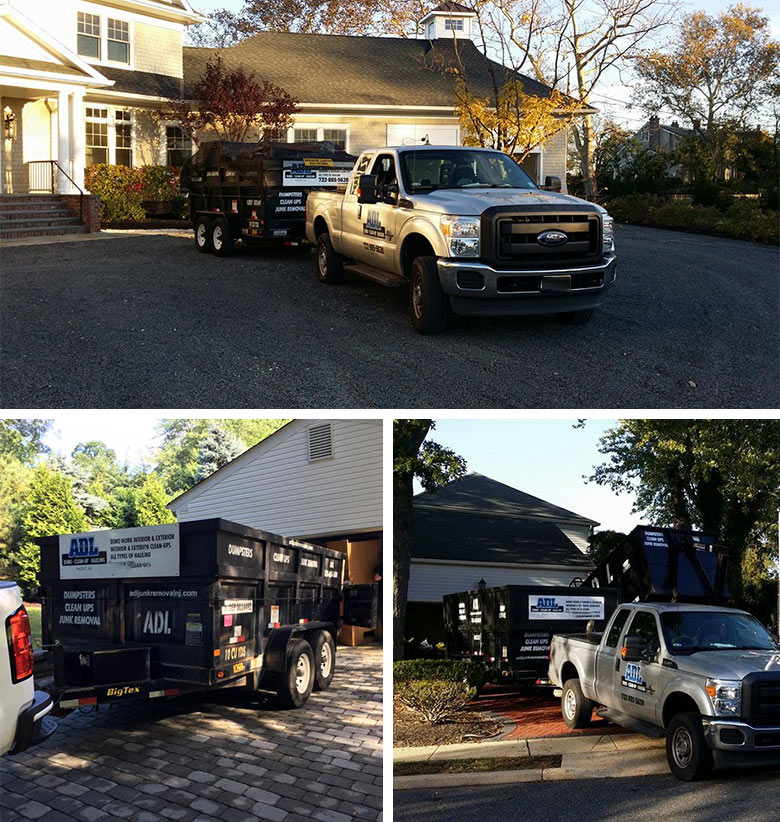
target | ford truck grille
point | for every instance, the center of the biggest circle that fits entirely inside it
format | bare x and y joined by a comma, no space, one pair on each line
761,699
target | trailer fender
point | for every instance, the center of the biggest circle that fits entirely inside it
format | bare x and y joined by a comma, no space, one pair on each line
275,654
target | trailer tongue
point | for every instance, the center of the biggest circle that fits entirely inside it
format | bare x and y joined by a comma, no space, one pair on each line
158,611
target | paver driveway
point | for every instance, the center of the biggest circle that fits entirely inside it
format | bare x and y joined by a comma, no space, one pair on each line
214,756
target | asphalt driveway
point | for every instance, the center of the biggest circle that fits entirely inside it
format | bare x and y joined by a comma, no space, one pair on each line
148,322
215,756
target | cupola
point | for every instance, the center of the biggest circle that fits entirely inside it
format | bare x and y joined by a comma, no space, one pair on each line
448,20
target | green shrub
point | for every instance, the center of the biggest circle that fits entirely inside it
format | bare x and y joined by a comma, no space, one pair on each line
433,700
445,670
124,190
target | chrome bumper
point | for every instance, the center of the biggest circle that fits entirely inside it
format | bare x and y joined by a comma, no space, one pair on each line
746,738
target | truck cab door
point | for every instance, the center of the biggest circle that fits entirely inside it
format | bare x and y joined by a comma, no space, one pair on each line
637,684
606,658
351,239
376,238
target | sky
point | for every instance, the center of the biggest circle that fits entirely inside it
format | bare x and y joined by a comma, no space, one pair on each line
612,97
545,458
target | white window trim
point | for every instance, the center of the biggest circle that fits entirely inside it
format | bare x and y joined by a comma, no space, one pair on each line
104,61
164,141
320,127
111,121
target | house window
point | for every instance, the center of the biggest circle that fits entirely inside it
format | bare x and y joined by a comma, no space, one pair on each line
96,136
124,138
178,146
118,48
304,135
337,136
453,25
88,37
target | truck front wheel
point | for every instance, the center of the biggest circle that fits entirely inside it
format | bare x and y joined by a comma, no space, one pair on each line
576,708
296,684
687,753
330,265
428,304
324,649
221,239
203,235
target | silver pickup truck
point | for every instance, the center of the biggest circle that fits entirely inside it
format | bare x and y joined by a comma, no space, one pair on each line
707,678
466,229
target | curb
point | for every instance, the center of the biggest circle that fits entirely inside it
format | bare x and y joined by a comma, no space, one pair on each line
458,780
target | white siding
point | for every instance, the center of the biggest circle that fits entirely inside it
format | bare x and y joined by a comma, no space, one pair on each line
578,534
429,581
277,489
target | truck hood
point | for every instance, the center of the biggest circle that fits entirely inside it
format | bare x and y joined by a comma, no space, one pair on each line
473,201
729,664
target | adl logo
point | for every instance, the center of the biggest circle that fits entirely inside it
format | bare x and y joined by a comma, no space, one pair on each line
83,547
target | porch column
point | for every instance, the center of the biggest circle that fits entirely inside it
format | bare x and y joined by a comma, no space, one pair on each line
77,151
2,148
63,142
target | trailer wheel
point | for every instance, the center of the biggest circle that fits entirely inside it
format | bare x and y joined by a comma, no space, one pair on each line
324,649
576,708
221,239
203,235
428,304
687,753
330,265
296,684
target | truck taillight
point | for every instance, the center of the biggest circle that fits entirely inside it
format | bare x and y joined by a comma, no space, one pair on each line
17,631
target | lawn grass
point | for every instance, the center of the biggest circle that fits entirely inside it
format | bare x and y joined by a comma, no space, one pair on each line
34,613
496,763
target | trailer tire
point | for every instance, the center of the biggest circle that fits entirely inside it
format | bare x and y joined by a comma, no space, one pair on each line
576,708
330,264
324,649
221,239
687,753
295,685
428,304
203,235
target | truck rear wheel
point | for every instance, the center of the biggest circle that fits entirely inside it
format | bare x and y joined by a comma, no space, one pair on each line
296,683
428,304
576,708
330,265
221,239
203,235
324,649
687,753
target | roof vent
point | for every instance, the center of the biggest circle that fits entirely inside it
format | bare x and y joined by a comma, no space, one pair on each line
320,442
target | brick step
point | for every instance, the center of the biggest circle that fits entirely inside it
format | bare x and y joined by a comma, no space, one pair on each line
27,199
38,208
21,233
39,222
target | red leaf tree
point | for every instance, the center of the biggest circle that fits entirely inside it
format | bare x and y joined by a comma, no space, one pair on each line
230,103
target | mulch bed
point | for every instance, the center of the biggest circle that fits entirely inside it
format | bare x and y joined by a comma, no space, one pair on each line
496,763
471,725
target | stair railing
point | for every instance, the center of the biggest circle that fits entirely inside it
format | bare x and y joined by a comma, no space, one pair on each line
42,171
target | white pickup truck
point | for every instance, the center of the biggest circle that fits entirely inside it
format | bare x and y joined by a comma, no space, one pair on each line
24,719
466,229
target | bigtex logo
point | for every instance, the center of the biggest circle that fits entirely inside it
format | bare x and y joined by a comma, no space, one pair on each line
125,690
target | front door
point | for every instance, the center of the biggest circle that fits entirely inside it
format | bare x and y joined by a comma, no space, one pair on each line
636,683
607,661
378,221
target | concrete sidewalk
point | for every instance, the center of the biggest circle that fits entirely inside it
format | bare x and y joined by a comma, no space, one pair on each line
584,757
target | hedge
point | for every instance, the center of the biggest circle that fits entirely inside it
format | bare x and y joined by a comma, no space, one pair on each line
443,670
434,700
123,190
743,220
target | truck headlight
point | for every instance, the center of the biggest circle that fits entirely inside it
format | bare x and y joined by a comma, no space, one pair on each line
609,233
725,696
461,234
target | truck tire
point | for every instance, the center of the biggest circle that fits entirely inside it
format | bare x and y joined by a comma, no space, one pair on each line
576,317
221,239
295,685
576,708
324,649
687,753
203,235
330,265
428,304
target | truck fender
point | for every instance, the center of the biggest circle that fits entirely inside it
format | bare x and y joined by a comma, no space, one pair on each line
556,667
275,653
320,215
427,229
677,687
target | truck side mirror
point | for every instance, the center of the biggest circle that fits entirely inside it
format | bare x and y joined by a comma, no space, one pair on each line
633,648
366,193
552,184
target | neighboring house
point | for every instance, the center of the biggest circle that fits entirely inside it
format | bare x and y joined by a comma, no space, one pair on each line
479,529
361,92
657,137
80,83
318,480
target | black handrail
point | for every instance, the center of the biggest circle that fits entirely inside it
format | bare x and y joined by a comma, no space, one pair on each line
54,164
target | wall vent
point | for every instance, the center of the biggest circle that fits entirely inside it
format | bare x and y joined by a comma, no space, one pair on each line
320,442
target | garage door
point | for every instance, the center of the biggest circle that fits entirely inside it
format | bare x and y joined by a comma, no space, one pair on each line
411,134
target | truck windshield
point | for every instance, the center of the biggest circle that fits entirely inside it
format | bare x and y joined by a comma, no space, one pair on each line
689,631
434,169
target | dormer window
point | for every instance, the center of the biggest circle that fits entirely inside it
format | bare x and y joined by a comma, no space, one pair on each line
118,41
88,44
453,25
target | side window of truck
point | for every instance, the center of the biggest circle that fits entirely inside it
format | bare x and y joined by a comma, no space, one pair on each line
613,637
360,168
384,168
644,625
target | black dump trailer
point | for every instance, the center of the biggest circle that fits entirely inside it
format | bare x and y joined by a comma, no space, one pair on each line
256,192
158,611
508,629
363,605
665,565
